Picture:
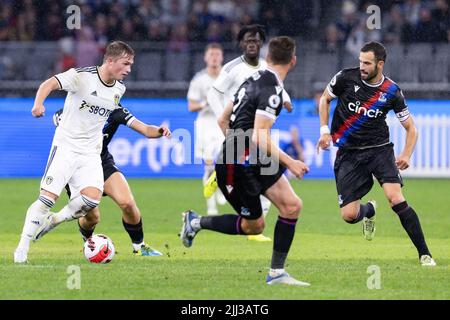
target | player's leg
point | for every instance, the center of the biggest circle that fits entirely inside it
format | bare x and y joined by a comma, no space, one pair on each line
86,224
208,144
34,218
388,175
289,206
81,203
210,186
243,195
353,181
86,185
265,205
211,206
409,220
116,187
57,172
354,212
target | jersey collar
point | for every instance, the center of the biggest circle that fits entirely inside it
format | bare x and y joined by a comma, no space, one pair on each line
276,75
245,61
106,85
374,85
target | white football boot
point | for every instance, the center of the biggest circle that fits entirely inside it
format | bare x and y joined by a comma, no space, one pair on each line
427,261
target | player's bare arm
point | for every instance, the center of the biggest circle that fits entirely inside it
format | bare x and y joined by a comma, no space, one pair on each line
402,161
224,119
44,90
324,114
195,106
261,137
150,131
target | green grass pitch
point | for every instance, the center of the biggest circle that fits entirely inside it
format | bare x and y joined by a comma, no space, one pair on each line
330,254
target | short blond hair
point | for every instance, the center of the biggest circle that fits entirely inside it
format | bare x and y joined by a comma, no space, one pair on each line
118,49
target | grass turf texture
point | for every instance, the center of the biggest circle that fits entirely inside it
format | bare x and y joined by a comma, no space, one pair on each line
327,252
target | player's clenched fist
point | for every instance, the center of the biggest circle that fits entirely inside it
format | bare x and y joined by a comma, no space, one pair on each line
402,162
164,131
298,168
324,142
38,110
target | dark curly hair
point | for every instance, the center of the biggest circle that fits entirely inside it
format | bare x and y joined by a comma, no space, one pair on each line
253,29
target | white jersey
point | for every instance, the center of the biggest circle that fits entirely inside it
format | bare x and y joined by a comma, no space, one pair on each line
208,136
233,74
198,89
88,104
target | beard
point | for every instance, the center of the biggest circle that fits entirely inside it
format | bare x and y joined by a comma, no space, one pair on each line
372,75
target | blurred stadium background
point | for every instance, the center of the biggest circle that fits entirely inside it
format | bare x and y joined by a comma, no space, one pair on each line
169,37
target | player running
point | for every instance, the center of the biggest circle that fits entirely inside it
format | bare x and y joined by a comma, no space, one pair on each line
93,93
233,74
116,186
209,137
360,131
251,164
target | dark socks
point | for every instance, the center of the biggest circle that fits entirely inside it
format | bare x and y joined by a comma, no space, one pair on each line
410,222
227,223
365,210
283,236
135,231
85,233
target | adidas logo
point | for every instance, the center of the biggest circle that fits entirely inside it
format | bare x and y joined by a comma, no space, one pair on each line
356,88
94,93
229,188
35,222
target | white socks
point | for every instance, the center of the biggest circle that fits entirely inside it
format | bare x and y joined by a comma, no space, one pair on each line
195,224
276,272
77,207
33,220
137,246
211,206
265,204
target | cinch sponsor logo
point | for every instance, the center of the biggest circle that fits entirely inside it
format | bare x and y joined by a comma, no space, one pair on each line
103,112
356,108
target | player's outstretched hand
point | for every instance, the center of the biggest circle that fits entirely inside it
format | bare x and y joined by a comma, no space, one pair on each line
38,111
402,162
164,131
298,168
324,142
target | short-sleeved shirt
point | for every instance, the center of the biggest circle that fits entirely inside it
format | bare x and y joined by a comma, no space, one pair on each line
88,105
359,120
261,94
120,116
233,74
198,91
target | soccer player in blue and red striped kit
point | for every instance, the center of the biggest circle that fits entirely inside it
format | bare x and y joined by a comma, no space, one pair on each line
359,129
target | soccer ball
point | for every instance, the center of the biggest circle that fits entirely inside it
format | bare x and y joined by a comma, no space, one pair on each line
99,249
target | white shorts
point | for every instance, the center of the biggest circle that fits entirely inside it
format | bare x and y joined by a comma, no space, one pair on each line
207,148
208,139
67,167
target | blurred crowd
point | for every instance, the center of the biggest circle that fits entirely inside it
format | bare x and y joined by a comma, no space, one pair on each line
176,24
177,21
183,21
403,22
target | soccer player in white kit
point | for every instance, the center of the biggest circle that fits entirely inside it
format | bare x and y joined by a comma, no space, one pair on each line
208,136
92,94
233,74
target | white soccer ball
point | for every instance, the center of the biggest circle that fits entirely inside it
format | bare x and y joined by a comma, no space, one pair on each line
99,249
